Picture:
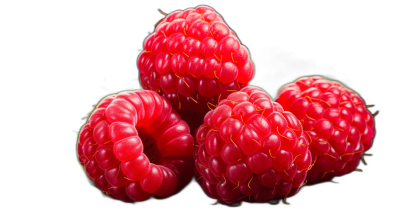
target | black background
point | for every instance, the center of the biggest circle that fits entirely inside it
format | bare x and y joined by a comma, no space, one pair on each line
98,46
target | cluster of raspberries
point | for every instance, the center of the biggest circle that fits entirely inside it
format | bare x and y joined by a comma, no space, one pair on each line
198,116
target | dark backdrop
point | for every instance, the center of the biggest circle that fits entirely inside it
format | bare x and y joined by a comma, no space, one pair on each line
100,44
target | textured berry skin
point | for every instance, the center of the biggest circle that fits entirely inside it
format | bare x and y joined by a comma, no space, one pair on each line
195,60
134,146
249,149
338,124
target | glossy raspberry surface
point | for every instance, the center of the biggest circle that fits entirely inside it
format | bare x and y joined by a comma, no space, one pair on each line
195,60
249,149
134,146
338,125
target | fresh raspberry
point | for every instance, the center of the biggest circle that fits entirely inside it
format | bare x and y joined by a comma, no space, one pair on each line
336,120
134,146
195,60
249,149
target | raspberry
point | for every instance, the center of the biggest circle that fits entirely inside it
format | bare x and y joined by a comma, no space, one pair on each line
195,60
134,145
336,120
249,149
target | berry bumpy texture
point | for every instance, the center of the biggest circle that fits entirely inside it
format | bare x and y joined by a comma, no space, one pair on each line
135,146
338,125
195,60
249,149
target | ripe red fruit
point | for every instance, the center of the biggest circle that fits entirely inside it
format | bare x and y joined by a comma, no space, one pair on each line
134,146
249,149
195,60
336,120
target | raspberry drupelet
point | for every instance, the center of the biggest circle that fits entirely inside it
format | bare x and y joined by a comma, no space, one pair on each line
250,149
195,60
134,146
337,122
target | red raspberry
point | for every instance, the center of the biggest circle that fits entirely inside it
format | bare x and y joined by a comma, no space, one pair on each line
134,145
249,149
336,120
195,60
